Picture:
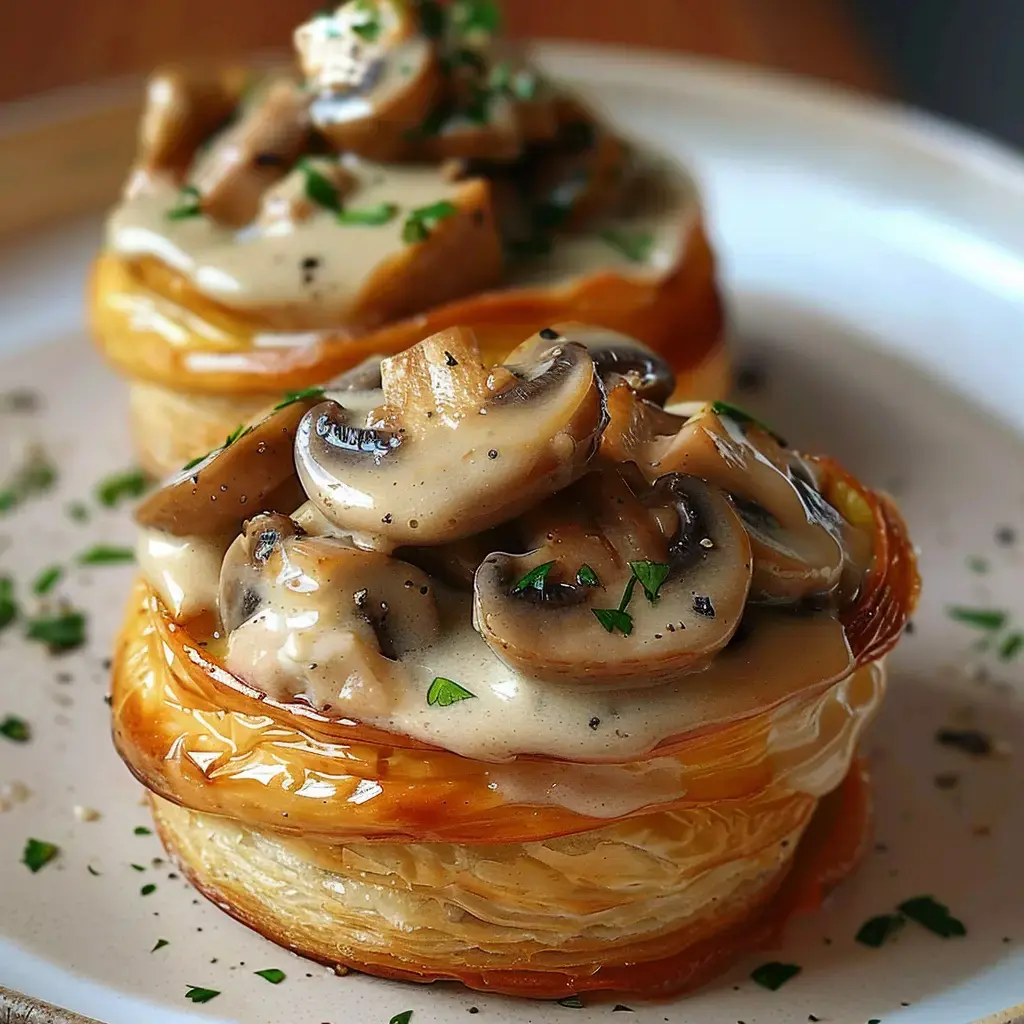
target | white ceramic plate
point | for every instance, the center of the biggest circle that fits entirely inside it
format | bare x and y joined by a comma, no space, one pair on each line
875,266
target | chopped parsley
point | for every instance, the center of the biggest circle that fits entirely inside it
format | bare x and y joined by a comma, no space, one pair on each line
774,975
879,930
192,463
138,867
977,564
586,577
969,741
572,1002
534,579
132,483
369,27
8,609
298,396
636,246
38,854
189,204
422,221
78,512
444,692
35,476
146,890
63,632
935,916
476,16
141,830
106,554
401,1018
320,189
198,994
369,216
239,431
15,729
47,580
978,618
160,943
271,974
1011,646
614,619
734,412
652,576
92,871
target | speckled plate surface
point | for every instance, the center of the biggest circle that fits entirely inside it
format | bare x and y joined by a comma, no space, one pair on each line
875,265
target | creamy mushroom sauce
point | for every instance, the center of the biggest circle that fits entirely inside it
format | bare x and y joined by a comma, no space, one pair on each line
257,267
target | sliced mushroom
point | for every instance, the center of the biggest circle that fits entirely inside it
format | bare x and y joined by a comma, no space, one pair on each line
455,448
184,107
373,76
364,376
246,159
254,472
797,537
611,632
317,618
617,357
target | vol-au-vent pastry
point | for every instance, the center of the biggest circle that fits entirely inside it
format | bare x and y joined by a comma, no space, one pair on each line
511,675
412,173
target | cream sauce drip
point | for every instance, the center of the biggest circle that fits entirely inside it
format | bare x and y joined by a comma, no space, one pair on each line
184,571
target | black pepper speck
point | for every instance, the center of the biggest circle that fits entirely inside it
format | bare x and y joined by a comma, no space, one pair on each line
450,360
702,606
594,722
493,453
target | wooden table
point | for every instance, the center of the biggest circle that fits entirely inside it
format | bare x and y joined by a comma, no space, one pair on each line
50,43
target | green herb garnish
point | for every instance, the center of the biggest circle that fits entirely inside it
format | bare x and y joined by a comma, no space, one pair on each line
78,512
652,576
295,396
192,463
370,216
132,483
420,222
572,1002
1011,647
774,975
271,974
444,692
734,412
878,930
189,204
138,867
198,994
15,729
35,476
160,943
586,577
614,619
320,189
977,564
239,431
47,579
636,246
38,854
141,830
401,1018
534,579
473,16
8,609
92,871
978,618
63,632
106,554
369,28
146,890
935,916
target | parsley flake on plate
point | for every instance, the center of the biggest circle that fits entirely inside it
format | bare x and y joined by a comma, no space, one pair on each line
160,943
1011,646
62,632
198,994
15,729
401,1018
572,1002
35,476
444,692
774,975
929,913
534,579
147,890
978,618
272,974
106,554
38,853
132,483
47,580
8,609
78,512
141,830
877,931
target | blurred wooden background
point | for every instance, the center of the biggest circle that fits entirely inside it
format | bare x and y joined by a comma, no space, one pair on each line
50,43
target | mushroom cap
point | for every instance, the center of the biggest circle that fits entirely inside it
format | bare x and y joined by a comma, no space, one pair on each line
682,532
253,473
617,357
455,449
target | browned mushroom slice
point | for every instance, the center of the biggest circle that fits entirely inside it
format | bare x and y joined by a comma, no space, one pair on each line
317,618
183,107
617,357
797,537
373,77
254,471
455,448
246,159
624,590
